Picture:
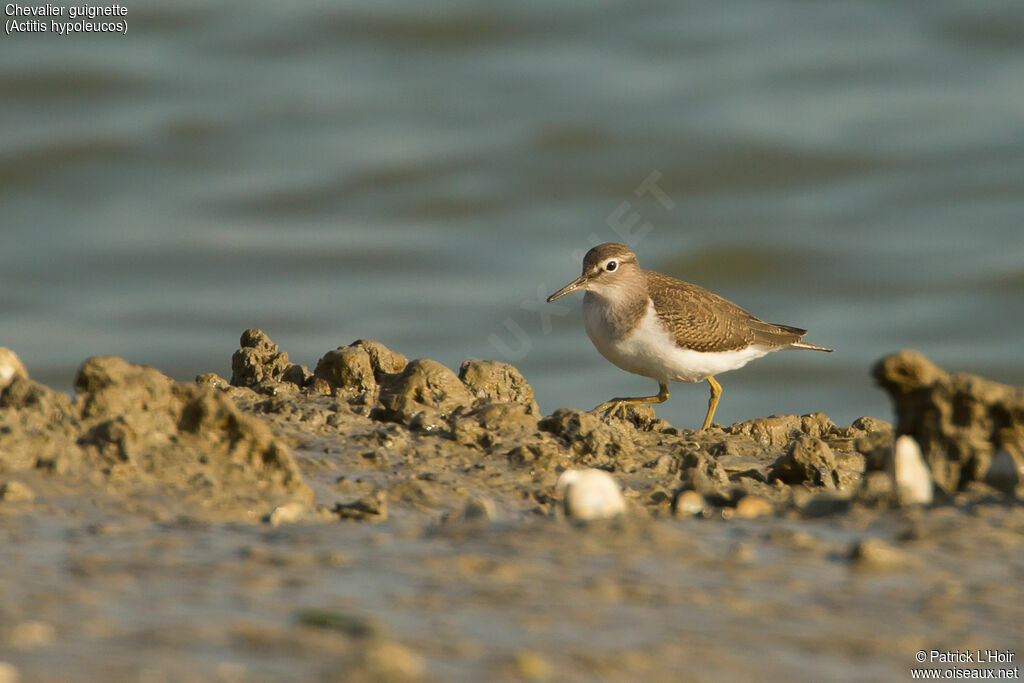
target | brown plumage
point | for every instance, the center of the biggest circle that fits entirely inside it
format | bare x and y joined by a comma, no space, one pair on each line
703,321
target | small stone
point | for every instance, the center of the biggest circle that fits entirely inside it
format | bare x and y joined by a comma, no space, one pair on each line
910,475
212,379
688,503
15,492
875,554
288,513
590,494
352,624
8,673
532,666
10,367
1004,473
479,508
750,507
373,507
390,661
29,635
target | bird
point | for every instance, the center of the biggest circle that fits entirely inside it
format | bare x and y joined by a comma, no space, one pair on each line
659,327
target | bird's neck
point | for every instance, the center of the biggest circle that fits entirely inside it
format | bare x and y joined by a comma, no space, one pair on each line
620,309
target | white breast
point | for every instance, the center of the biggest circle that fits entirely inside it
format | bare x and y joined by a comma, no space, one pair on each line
649,350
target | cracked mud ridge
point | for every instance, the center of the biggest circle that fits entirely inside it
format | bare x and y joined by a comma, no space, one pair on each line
378,518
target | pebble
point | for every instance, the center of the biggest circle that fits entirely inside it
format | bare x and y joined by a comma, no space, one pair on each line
873,553
16,492
532,666
29,635
688,503
910,474
390,661
372,507
590,494
8,673
288,513
351,624
10,367
479,507
750,507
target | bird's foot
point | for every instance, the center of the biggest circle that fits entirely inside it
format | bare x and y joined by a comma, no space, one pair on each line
610,408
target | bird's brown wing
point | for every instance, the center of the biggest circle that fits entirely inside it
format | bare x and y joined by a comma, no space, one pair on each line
703,321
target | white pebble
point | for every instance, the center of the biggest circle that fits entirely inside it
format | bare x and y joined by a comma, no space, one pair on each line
288,513
590,494
10,367
910,475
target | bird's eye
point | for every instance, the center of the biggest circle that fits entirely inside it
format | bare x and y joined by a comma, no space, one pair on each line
610,266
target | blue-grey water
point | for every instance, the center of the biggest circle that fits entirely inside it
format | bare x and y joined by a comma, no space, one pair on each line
424,173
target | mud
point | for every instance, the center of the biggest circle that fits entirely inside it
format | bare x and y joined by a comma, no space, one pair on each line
960,421
383,519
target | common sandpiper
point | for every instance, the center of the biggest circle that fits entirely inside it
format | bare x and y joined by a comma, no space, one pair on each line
666,329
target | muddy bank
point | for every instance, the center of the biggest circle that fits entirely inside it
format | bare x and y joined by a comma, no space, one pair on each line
403,520
143,442
417,438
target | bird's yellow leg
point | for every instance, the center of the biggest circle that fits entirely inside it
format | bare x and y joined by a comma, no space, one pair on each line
716,393
617,404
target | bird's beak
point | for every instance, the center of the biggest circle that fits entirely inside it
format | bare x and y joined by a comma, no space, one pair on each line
569,288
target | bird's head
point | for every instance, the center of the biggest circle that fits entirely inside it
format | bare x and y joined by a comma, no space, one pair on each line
608,270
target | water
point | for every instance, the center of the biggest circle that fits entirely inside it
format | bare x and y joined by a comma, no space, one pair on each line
424,175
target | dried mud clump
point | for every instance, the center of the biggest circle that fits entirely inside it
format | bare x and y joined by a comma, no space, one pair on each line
491,381
380,436
426,393
592,441
359,368
779,430
259,363
807,460
347,368
168,447
960,421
